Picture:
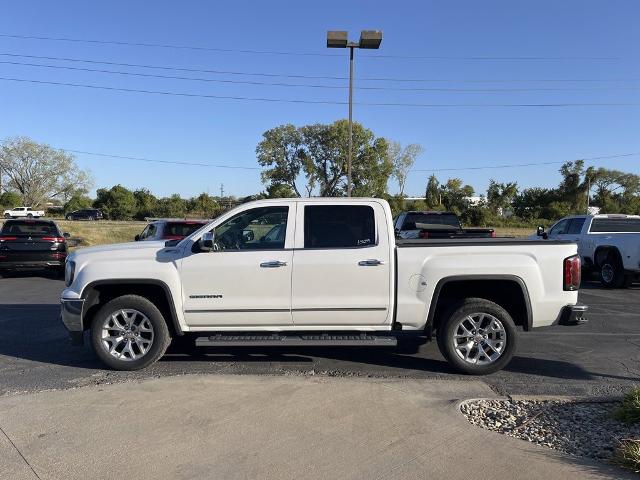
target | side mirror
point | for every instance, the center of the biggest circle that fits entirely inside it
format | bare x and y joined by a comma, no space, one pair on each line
207,242
137,238
66,235
541,233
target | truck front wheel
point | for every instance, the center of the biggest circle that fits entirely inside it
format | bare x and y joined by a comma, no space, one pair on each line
129,333
477,337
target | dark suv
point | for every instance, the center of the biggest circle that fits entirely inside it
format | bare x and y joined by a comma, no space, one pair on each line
32,244
85,214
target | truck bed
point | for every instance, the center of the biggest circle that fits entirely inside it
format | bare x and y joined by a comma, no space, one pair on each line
444,242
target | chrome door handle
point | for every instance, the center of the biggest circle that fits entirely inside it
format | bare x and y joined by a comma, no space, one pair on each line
370,263
273,264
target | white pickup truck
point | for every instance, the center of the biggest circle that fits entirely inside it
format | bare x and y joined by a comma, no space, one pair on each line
607,243
23,212
332,274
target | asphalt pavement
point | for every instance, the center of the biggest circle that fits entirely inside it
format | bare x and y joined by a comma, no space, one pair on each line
600,358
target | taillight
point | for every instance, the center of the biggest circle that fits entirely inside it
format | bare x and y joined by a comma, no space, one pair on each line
571,273
423,234
53,239
3,239
492,234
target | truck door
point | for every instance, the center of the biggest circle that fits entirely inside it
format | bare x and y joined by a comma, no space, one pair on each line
247,280
342,265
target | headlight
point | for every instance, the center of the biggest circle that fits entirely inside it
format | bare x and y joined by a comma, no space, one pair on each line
69,271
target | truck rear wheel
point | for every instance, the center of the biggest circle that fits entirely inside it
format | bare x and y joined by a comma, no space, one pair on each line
477,337
611,272
129,333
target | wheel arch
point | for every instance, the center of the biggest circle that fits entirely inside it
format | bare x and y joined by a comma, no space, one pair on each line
603,251
508,291
99,292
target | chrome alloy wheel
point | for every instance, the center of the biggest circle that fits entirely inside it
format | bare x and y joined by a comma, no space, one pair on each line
127,334
479,338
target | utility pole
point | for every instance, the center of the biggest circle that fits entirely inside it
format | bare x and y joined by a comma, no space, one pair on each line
369,39
588,193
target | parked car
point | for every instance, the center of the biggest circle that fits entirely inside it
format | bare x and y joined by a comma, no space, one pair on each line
169,229
32,244
609,244
435,224
337,277
23,212
84,214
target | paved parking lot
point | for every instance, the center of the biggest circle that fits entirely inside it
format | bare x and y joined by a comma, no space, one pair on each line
602,357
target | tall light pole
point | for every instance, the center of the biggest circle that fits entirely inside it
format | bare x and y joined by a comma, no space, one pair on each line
369,39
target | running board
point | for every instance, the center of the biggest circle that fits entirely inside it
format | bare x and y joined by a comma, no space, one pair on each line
278,340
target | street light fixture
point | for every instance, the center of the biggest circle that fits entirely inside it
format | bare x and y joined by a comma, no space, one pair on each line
369,39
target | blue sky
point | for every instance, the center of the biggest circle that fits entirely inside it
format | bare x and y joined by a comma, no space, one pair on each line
226,131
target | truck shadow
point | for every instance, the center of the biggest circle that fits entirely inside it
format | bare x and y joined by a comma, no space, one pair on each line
34,332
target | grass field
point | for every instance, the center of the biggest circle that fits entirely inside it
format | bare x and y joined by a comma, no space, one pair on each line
107,231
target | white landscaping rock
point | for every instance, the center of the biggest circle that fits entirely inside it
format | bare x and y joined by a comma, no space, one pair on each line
582,429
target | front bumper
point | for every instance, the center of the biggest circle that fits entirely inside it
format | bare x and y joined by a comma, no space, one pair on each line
71,315
574,315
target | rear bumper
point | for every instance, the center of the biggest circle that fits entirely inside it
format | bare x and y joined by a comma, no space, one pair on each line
71,315
574,315
28,264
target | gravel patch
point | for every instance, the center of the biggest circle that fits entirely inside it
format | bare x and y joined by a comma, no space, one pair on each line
576,428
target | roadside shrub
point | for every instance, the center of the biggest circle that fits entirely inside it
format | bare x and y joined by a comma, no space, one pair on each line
629,411
628,454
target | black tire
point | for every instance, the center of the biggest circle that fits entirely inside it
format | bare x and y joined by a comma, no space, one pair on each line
161,336
69,217
6,215
447,329
29,215
611,272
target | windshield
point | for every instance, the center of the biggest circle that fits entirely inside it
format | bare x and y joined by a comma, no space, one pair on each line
182,229
29,228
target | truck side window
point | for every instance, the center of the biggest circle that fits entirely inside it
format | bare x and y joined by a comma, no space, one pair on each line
575,226
261,228
339,226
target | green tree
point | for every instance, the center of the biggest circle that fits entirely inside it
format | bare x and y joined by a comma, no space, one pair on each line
77,202
319,153
9,199
146,204
533,203
572,189
281,151
500,195
39,172
279,190
433,196
204,205
454,195
117,203
403,160
172,207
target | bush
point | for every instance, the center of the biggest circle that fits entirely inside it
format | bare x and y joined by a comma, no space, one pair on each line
628,454
629,411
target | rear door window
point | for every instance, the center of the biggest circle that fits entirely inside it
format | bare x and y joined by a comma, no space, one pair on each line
575,226
339,226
